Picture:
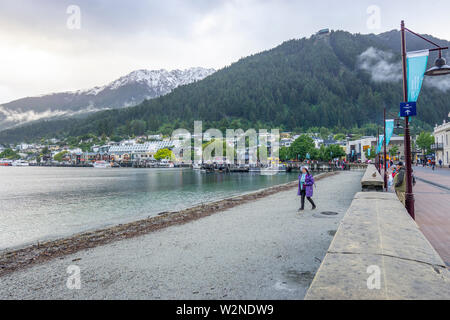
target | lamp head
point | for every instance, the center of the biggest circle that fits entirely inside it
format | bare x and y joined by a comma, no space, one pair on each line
440,68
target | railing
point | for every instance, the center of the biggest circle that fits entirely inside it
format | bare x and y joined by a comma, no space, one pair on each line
437,146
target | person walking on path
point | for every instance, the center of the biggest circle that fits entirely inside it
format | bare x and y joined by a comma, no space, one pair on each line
305,188
440,163
400,183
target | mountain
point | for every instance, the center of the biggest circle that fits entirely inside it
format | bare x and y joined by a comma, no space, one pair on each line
129,90
340,81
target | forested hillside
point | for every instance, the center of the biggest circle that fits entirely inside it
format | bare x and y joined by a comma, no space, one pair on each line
339,81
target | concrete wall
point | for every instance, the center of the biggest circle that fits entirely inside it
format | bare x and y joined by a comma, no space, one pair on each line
379,253
372,180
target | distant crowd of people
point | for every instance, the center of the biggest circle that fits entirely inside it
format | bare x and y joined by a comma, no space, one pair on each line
429,163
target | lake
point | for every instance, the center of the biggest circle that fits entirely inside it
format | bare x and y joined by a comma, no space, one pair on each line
39,203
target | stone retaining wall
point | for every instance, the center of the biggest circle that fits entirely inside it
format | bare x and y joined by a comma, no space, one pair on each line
372,180
379,252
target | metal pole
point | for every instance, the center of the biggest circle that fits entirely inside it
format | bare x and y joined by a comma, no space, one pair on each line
409,196
384,159
378,154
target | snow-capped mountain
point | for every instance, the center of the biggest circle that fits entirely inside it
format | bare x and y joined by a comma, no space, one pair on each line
126,91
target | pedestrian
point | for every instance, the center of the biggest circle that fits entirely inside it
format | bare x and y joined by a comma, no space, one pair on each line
394,171
400,183
305,188
440,163
433,164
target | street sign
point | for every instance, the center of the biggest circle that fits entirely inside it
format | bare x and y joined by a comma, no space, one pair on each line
408,109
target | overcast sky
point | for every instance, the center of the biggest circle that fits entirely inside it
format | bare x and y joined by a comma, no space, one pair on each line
42,50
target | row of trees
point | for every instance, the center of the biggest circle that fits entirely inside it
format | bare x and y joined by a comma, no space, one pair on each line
304,148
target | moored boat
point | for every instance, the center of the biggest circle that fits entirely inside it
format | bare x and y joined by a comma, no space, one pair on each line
102,164
20,163
5,163
165,163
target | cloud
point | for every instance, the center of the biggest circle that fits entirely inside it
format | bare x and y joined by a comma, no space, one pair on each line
41,55
11,117
381,65
441,83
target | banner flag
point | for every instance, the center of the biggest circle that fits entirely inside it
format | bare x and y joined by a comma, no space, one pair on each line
380,143
389,130
416,66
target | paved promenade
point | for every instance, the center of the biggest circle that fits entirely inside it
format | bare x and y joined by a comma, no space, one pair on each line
259,250
433,208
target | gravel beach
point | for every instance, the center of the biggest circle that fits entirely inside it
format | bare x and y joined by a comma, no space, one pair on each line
263,249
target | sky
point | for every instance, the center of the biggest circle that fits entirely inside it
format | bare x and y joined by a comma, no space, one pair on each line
51,46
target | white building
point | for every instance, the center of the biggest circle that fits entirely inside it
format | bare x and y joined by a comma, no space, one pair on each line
442,143
145,151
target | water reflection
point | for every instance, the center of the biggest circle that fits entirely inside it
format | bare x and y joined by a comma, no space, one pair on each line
37,203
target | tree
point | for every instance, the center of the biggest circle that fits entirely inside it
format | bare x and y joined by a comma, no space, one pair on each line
393,151
137,127
424,141
372,154
301,147
164,154
45,151
284,154
59,156
336,151
339,137
9,154
324,133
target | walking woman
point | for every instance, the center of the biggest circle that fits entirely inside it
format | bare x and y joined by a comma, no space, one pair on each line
305,188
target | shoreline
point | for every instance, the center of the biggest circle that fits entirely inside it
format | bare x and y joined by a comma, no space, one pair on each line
17,259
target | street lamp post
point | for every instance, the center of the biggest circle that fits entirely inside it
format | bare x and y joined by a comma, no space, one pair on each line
439,69
409,196
377,161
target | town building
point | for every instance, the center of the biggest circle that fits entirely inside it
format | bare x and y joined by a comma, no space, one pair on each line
441,147
130,151
356,150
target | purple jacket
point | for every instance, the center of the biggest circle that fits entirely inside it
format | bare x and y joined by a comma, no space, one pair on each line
308,185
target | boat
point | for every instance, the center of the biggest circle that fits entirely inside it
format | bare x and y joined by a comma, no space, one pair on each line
164,163
102,164
273,169
5,163
197,166
20,163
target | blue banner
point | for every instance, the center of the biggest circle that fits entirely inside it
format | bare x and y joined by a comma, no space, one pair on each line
380,143
389,130
416,66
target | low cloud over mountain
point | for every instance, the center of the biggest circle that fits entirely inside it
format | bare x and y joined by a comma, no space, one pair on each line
126,91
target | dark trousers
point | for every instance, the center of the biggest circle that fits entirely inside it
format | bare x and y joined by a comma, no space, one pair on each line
303,195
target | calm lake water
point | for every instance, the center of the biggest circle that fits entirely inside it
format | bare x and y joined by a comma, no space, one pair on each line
42,203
